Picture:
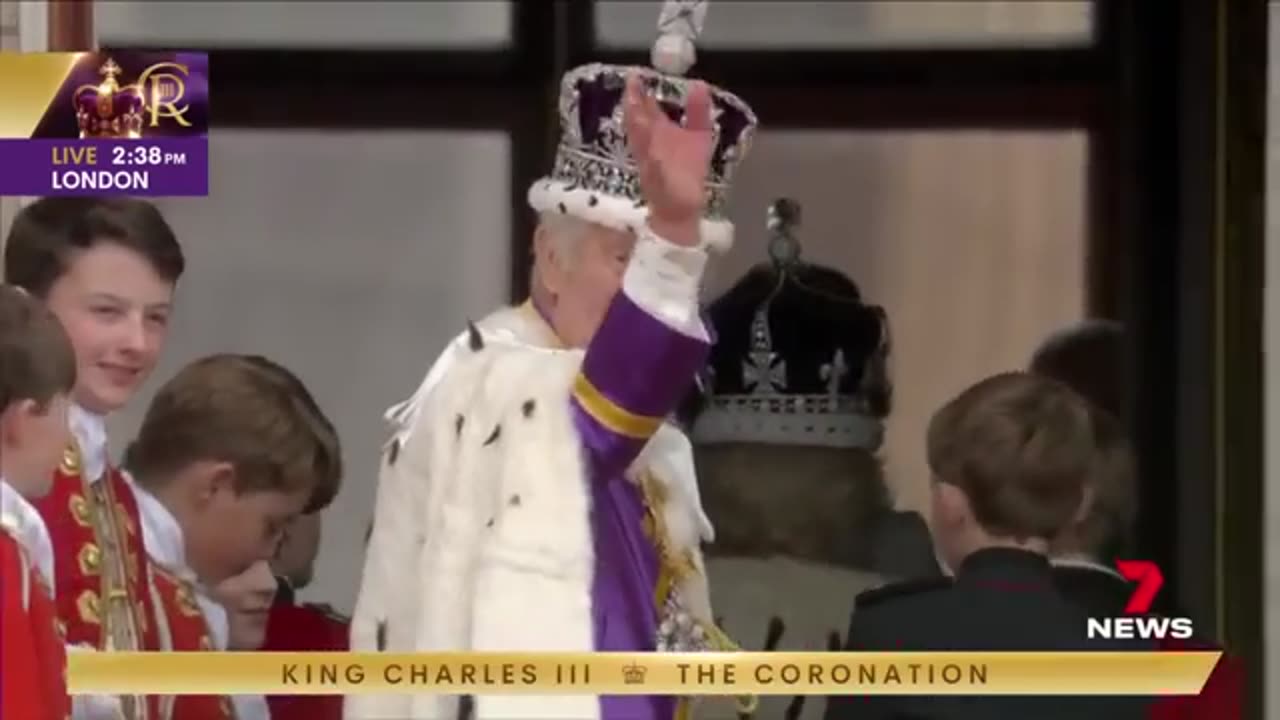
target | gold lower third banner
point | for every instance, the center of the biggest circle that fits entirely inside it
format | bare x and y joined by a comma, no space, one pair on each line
746,673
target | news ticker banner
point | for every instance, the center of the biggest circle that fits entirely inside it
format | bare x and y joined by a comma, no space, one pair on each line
104,123
737,674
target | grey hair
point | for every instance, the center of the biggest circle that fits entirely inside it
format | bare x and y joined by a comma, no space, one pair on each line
565,231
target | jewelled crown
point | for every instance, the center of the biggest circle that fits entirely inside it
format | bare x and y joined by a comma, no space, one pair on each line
799,358
594,177
108,110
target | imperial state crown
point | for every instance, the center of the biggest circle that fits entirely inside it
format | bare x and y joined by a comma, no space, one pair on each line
594,177
799,358
108,110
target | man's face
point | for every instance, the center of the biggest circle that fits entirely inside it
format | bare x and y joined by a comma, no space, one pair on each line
34,439
584,282
247,598
229,531
115,309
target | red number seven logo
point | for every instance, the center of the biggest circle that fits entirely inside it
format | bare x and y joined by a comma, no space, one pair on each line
1149,579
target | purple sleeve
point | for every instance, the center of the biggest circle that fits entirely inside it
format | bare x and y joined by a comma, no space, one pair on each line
636,370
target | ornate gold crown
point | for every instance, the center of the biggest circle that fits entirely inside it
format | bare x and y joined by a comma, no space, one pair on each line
633,674
108,110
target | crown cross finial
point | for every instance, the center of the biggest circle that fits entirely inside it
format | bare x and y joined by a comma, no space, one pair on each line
834,372
764,372
109,69
783,218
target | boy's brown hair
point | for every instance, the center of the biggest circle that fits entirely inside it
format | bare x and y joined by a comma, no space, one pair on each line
36,358
235,409
46,234
1022,448
329,462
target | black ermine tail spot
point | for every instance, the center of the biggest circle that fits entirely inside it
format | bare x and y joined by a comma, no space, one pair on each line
527,408
474,339
493,436
774,633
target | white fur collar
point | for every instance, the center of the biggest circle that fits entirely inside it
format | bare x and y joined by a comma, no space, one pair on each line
1085,563
20,518
520,324
90,431
166,546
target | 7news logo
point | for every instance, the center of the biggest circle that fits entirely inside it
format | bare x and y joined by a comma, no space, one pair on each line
1136,624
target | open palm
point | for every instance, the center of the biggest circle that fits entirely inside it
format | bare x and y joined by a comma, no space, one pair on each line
672,161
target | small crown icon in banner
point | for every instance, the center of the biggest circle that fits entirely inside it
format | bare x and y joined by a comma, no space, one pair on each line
633,674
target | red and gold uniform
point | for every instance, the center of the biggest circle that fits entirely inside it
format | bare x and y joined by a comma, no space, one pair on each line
186,629
100,566
33,656
110,592
304,628
187,621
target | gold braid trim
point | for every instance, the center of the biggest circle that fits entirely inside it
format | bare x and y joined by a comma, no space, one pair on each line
674,568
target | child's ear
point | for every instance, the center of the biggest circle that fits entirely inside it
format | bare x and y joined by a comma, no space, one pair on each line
213,478
14,419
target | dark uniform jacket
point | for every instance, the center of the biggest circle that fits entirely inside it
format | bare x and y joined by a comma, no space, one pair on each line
1001,599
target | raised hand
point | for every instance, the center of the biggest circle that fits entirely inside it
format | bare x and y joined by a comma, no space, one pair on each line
672,161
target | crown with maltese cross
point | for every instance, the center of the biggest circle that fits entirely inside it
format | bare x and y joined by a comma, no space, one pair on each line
594,177
108,110
800,357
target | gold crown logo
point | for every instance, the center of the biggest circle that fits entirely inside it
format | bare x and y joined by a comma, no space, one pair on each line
108,110
633,674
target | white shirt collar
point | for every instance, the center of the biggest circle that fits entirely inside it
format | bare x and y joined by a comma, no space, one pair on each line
90,431
1084,563
166,546
251,707
22,519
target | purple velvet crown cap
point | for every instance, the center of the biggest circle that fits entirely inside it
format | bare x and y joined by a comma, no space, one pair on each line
107,109
594,177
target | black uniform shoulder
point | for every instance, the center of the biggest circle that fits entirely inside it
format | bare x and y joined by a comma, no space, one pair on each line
918,588
327,611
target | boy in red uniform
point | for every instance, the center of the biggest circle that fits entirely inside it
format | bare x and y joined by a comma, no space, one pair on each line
107,268
227,456
289,626
37,372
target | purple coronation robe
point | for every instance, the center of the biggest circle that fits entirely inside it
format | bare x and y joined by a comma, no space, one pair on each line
635,371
